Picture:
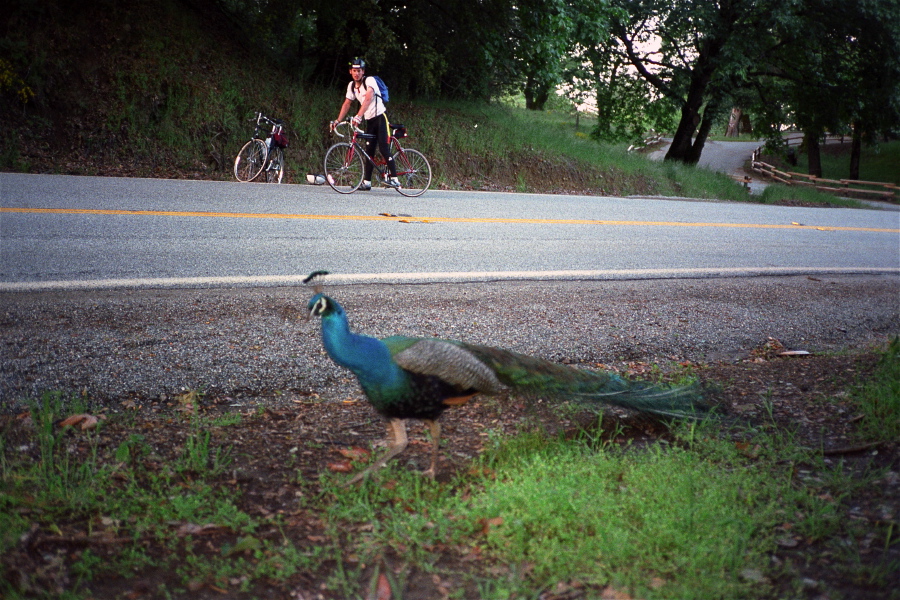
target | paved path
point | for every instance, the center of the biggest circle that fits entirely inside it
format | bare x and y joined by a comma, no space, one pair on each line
726,157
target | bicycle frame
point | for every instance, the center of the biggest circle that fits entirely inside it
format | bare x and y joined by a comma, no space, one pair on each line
379,163
277,127
261,153
356,146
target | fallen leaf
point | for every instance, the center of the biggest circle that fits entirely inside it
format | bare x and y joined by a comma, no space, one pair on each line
611,593
244,544
656,583
86,421
341,466
186,529
354,453
787,542
187,402
486,524
753,576
382,589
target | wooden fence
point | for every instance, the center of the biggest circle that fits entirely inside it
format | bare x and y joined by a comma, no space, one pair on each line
844,187
650,140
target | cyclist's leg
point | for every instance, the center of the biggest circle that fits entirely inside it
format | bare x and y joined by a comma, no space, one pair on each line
382,125
371,144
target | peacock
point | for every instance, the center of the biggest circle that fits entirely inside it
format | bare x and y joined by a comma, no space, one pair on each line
419,378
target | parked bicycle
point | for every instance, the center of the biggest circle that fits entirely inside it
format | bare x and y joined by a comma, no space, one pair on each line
345,166
263,154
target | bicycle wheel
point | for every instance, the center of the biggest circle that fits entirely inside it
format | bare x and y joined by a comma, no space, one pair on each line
250,160
413,171
343,168
275,170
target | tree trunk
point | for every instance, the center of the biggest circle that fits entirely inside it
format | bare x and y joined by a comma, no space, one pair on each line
811,141
709,116
734,123
535,95
529,93
681,141
746,125
855,150
681,148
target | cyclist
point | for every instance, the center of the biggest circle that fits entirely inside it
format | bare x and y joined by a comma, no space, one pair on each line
371,107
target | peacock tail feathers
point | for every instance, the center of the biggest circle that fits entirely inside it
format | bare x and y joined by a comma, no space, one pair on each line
530,376
491,370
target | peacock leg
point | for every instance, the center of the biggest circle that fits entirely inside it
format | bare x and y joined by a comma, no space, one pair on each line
397,444
435,428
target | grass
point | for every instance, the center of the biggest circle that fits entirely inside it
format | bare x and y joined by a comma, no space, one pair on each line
551,512
776,193
879,398
878,162
697,517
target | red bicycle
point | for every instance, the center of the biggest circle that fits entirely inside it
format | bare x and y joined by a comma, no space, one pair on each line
345,166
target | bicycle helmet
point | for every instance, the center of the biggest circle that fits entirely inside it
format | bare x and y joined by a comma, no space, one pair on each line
357,63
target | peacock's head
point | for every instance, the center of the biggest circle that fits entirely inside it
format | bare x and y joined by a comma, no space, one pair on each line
321,305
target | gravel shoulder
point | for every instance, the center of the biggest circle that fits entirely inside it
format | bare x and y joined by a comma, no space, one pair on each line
245,346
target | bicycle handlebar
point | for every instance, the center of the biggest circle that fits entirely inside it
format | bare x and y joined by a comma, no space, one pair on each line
262,117
348,123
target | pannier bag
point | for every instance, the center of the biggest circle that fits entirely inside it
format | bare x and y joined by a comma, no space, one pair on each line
280,139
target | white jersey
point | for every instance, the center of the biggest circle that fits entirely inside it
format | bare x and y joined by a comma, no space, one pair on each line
377,106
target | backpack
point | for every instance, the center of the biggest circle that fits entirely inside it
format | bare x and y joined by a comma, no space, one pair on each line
382,88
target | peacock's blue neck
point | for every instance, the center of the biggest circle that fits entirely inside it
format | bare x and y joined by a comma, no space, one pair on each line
368,357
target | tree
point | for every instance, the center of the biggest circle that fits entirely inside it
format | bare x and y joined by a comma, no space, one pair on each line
696,54
595,72
428,48
540,40
835,69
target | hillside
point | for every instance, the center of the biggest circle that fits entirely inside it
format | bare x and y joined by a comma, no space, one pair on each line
122,88
167,89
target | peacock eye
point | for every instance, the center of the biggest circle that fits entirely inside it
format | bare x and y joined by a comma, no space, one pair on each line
320,307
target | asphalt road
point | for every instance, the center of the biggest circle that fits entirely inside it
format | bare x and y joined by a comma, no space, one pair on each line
62,232
134,290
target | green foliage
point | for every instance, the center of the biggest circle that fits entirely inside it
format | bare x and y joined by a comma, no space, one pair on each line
878,162
181,103
844,70
879,397
546,511
199,457
12,83
599,517
777,193
128,491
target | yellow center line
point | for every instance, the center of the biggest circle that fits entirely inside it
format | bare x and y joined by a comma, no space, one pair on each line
240,215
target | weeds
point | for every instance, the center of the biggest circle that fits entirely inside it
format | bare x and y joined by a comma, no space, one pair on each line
198,457
776,193
879,397
700,516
